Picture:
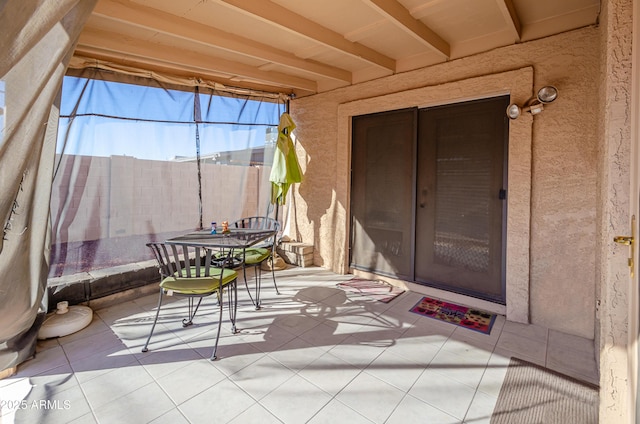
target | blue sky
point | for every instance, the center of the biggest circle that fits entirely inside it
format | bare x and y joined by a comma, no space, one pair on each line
228,123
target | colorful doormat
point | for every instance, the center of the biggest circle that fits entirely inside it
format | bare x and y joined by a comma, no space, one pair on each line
463,316
377,289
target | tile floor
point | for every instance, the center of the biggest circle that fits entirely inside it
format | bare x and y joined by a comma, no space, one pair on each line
313,354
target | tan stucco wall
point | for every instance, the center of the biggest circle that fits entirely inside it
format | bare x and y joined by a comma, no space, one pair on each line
563,168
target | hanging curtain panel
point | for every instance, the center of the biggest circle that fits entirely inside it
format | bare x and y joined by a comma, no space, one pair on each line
141,160
36,43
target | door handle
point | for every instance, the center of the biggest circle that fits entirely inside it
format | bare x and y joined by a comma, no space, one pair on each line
626,240
629,241
423,198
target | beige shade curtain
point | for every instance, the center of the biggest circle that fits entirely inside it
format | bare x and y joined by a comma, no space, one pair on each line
37,41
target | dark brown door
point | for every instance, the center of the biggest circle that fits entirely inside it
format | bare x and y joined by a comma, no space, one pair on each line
460,197
382,192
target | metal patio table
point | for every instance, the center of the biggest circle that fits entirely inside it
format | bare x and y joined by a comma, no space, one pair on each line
235,239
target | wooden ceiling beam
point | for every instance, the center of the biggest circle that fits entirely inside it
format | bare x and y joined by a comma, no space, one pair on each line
175,26
275,14
511,18
122,46
401,17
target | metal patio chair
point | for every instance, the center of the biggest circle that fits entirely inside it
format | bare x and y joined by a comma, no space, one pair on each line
255,256
187,271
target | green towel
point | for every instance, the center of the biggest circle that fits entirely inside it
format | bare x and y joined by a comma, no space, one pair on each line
286,169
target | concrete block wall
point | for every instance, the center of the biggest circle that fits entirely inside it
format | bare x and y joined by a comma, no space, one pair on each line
80,194
101,197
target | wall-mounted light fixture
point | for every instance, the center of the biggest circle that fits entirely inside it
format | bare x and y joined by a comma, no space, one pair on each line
534,105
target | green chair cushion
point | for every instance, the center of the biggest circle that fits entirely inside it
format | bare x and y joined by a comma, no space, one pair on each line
199,285
255,255
230,262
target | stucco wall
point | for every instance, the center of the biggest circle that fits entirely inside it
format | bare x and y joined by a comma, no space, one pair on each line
618,344
563,168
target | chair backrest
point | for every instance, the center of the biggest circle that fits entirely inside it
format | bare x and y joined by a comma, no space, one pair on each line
257,223
182,259
260,223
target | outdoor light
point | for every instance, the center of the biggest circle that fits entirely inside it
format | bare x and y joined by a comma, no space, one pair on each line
534,105
547,94
513,111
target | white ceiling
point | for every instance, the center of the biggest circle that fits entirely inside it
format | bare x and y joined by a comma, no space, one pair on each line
311,46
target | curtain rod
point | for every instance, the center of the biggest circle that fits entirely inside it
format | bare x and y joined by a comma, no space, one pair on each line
81,63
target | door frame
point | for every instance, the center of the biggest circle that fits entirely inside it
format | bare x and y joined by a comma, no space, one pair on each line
634,205
519,85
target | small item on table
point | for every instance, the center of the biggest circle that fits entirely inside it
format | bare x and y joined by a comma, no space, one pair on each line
225,226
213,228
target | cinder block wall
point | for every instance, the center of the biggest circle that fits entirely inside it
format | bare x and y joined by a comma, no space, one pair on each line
102,197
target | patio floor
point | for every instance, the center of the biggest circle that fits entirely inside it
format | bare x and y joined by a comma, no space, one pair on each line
312,354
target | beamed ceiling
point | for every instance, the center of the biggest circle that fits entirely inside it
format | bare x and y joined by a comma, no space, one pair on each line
311,46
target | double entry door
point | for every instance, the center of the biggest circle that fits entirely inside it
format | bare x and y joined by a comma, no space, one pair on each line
428,190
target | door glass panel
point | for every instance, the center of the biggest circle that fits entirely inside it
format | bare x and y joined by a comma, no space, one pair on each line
382,190
461,154
463,186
